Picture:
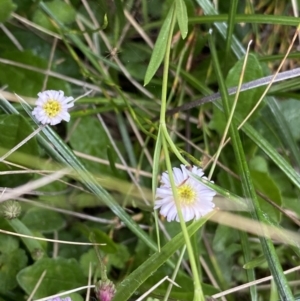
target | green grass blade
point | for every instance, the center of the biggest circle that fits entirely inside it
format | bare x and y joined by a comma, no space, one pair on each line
273,154
33,246
253,134
128,286
247,257
236,46
182,17
230,28
248,188
160,46
283,130
213,18
256,19
64,154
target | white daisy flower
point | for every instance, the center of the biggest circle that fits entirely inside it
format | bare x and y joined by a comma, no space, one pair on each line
52,107
194,197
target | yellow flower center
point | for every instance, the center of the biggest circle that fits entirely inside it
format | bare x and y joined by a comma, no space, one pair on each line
52,107
187,194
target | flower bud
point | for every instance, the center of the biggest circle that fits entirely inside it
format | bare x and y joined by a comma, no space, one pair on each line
11,209
105,290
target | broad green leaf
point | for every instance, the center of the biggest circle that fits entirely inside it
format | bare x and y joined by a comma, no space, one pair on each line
259,163
284,130
265,184
84,200
120,258
292,204
258,261
94,143
224,236
182,17
140,51
43,220
88,258
34,247
62,274
70,251
63,154
160,47
129,285
100,237
283,183
290,109
35,44
8,243
183,292
248,187
13,130
55,195
247,99
6,8
225,246
263,143
23,5
10,264
64,13
27,82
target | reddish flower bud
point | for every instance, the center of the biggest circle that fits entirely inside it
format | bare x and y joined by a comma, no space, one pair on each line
105,290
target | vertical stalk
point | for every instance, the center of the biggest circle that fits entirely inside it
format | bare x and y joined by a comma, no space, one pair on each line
248,188
198,293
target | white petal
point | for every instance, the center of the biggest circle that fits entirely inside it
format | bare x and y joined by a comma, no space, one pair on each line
202,203
43,116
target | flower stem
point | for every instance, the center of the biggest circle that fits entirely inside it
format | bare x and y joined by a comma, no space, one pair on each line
166,139
198,293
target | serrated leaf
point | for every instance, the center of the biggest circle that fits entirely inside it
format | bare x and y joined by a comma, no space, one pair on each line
6,8
159,47
42,220
182,17
62,274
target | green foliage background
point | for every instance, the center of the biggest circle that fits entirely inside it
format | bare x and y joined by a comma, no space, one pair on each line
117,51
